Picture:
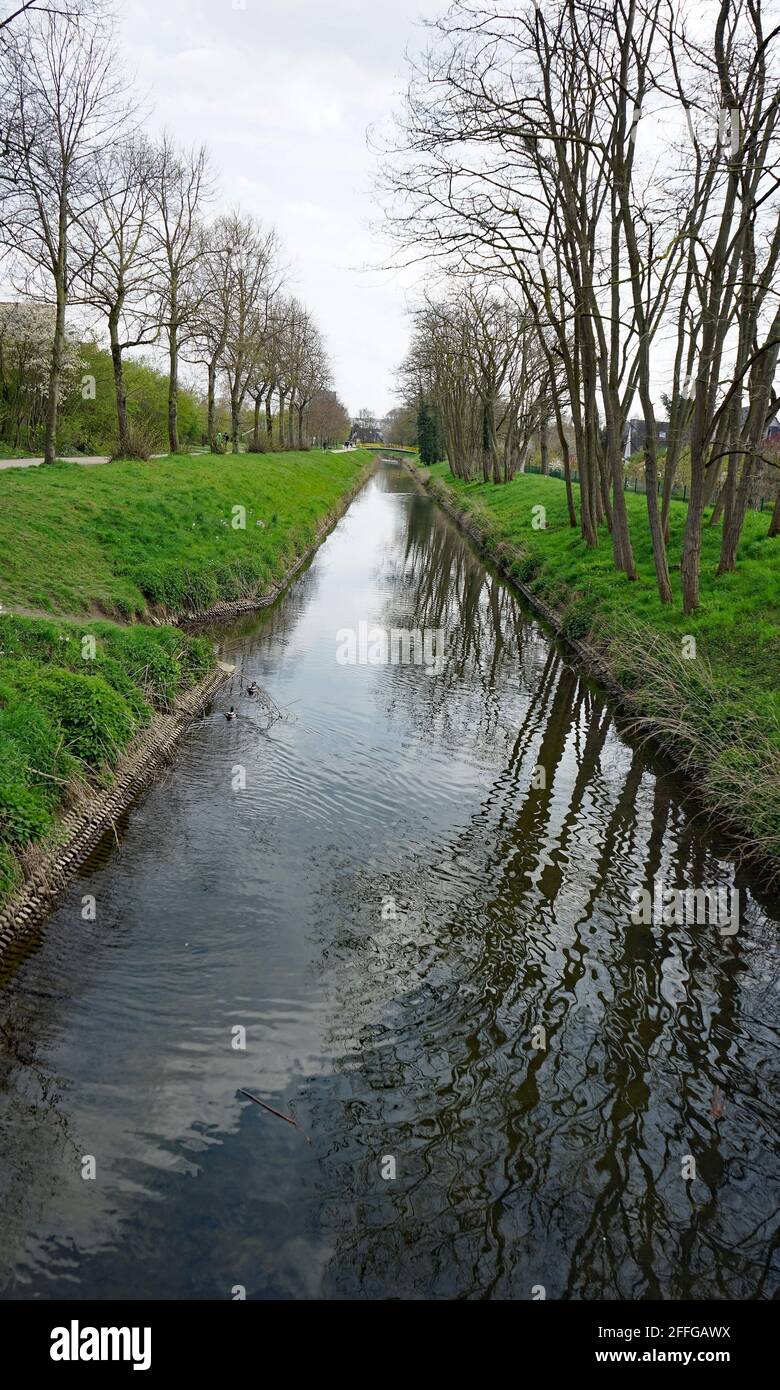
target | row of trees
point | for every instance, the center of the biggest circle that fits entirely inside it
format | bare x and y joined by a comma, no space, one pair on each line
606,178
489,379
99,218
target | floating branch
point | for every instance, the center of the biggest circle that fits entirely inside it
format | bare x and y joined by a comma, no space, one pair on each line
274,713
277,1113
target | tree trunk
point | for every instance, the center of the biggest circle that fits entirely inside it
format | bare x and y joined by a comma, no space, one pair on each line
725,502
544,448
604,511
256,431
173,387
124,446
774,525
235,420
670,473
566,456
691,553
586,512
651,487
613,471
269,420
211,406
589,490
751,438
300,425
55,370
734,519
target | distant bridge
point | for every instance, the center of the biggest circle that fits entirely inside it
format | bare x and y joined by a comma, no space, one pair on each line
392,450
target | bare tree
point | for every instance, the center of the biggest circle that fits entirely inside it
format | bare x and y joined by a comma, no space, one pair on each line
116,270
521,153
254,283
272,360
741,179
328,419
67,106
291,319
181,186
211,323
65,8
478,356
311,371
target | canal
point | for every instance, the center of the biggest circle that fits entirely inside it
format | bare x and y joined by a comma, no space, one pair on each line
401,915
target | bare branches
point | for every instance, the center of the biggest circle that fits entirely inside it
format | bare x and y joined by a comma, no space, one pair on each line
619,167
182,184
65,107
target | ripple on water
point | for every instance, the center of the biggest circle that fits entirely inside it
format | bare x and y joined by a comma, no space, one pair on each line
370,934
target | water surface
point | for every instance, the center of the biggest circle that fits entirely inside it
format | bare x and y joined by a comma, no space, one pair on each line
390,907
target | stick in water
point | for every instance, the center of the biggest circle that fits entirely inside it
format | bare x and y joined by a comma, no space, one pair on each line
278,1113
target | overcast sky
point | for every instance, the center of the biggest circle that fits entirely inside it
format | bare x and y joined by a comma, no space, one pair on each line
283,92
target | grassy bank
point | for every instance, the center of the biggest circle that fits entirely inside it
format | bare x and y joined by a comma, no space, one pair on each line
97,547
71,700
124,538
718,711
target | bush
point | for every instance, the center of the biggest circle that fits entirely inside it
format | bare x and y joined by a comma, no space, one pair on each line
96,722
526,568
143,440
577,621
108,669
24,815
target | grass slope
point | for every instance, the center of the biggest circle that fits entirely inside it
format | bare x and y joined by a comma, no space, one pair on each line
123,536
718,712
117,540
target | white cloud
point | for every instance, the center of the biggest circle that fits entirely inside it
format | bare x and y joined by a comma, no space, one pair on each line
283,92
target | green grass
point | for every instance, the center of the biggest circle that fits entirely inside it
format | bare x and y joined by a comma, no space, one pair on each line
71,699
721,710
122,537
90,546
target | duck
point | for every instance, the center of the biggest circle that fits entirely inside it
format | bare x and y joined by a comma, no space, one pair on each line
254,689
231,714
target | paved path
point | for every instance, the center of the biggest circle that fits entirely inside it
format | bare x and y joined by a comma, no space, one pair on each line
88,460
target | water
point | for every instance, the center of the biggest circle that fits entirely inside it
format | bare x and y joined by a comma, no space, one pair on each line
407,1037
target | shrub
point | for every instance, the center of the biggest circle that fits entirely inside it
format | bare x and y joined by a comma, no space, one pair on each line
526,568
143,440
24,815
577,621
96,722
109,669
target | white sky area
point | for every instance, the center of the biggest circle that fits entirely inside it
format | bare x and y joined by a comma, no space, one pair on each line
283,92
